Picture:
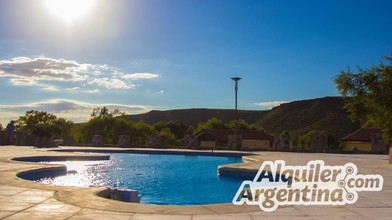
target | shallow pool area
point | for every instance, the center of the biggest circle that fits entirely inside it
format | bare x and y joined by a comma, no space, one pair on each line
160,178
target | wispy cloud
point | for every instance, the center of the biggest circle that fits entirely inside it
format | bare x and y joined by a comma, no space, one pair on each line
49,73
111,83
138,76
23,82
78,90
69,109
73,89
269,105
92,91
51,88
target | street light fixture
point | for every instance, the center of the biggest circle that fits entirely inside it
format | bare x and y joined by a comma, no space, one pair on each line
236,79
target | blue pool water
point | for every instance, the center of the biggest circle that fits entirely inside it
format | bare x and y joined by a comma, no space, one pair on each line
159,178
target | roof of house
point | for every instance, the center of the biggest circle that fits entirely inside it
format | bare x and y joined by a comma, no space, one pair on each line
363,134
223,134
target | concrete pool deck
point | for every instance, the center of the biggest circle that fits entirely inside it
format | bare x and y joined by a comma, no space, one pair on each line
22,199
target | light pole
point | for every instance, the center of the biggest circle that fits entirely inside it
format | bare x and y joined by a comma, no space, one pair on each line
236,79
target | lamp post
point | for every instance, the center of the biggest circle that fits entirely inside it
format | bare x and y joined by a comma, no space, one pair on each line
236,79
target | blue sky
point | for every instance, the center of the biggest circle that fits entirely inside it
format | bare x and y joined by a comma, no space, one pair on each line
139,55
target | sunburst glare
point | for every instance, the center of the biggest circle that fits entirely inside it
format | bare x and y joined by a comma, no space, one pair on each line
69,10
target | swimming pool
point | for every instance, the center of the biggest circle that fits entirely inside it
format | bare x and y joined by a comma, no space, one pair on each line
159,178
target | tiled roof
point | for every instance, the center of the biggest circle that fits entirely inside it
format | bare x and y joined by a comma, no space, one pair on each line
222,134
363,134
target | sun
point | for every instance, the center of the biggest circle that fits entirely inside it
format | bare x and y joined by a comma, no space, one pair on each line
69,10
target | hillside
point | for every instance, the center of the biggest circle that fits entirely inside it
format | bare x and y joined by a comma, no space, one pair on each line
326,114
196,115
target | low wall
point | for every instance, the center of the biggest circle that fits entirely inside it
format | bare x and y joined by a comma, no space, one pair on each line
256,145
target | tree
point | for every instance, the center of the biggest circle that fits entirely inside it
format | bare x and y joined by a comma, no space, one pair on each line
106,122
105,112
140,133
65,127
43,124
369,95
305,139
177,127
168,138
212,123
243,125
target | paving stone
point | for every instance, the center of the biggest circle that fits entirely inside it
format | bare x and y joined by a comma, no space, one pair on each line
326,211
366,202
11,190
224,208
222,217
24,199
39,216
92,216
57,208
161,217
285,211
5,206
4,214
87,214
374,213
331,217
281,217
36,192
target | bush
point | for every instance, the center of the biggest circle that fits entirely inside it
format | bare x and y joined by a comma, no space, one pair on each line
44,125
110,128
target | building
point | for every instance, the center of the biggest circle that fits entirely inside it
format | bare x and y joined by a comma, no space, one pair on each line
250,139
366,139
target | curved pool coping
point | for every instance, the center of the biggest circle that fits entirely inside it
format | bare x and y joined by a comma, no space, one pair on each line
61,158
156,151
93,197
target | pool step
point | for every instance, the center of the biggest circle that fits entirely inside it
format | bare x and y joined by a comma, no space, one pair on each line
126,195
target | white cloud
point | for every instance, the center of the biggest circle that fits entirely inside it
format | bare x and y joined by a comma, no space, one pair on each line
50,73
92,91
43,69
50,88
111,83
73,89
78,89
138,76
23,82
269,105
69,109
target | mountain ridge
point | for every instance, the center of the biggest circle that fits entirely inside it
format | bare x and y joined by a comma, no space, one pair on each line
324,114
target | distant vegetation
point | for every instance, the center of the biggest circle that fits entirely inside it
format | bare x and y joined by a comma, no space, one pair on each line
300,119
196,115
215,123
111,123
43,124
